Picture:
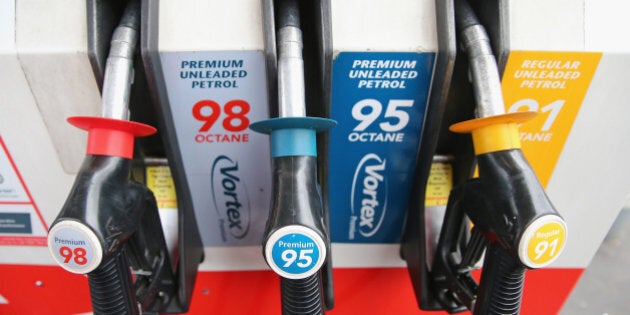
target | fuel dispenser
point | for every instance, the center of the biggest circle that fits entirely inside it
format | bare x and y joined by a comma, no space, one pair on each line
209,83
394,77
109,227
513,219
212,83
296,244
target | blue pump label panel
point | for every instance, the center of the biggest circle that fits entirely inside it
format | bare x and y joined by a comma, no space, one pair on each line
379,100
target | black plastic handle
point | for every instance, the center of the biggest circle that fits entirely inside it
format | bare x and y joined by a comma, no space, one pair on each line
511,197
123,217
101,200
111,289
501,285
451,282
297,199
297,202
146,250
503,203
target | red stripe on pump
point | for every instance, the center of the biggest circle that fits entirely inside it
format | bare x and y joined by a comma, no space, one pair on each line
111,137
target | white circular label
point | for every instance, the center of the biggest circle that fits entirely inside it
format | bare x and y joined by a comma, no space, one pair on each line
543,241
295,252
75,247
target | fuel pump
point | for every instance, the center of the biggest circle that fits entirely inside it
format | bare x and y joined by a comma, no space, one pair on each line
206,64
513,219
296,243
109,228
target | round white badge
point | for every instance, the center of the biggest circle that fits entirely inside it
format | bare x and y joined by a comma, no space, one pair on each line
295,252
543,241
75,247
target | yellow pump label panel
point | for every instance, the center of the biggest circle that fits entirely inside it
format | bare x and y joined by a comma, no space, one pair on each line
554,85
160,181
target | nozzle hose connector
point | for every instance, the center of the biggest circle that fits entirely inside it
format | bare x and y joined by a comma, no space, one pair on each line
291,93
119,71
484,72
290,73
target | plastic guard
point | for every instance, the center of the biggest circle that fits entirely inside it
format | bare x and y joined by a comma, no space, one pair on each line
111,137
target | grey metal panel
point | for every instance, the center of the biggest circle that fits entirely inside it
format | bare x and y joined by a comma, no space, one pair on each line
190,247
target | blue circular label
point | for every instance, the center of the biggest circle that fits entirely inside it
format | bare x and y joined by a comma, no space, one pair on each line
295,253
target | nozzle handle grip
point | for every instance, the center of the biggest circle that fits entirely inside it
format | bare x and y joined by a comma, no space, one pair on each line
296,243
510,204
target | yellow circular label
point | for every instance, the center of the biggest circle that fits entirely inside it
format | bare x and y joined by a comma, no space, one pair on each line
546,243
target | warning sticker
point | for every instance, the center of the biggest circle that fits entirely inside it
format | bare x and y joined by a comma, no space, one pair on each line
554,85
439,184
160,181
11,189
20,220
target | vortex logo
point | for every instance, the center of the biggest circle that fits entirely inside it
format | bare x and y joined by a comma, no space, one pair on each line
229,195
369,194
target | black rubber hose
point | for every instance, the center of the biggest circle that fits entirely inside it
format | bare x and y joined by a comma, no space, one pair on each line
464,15
501,286
288,14
131,15
111,288
301,296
